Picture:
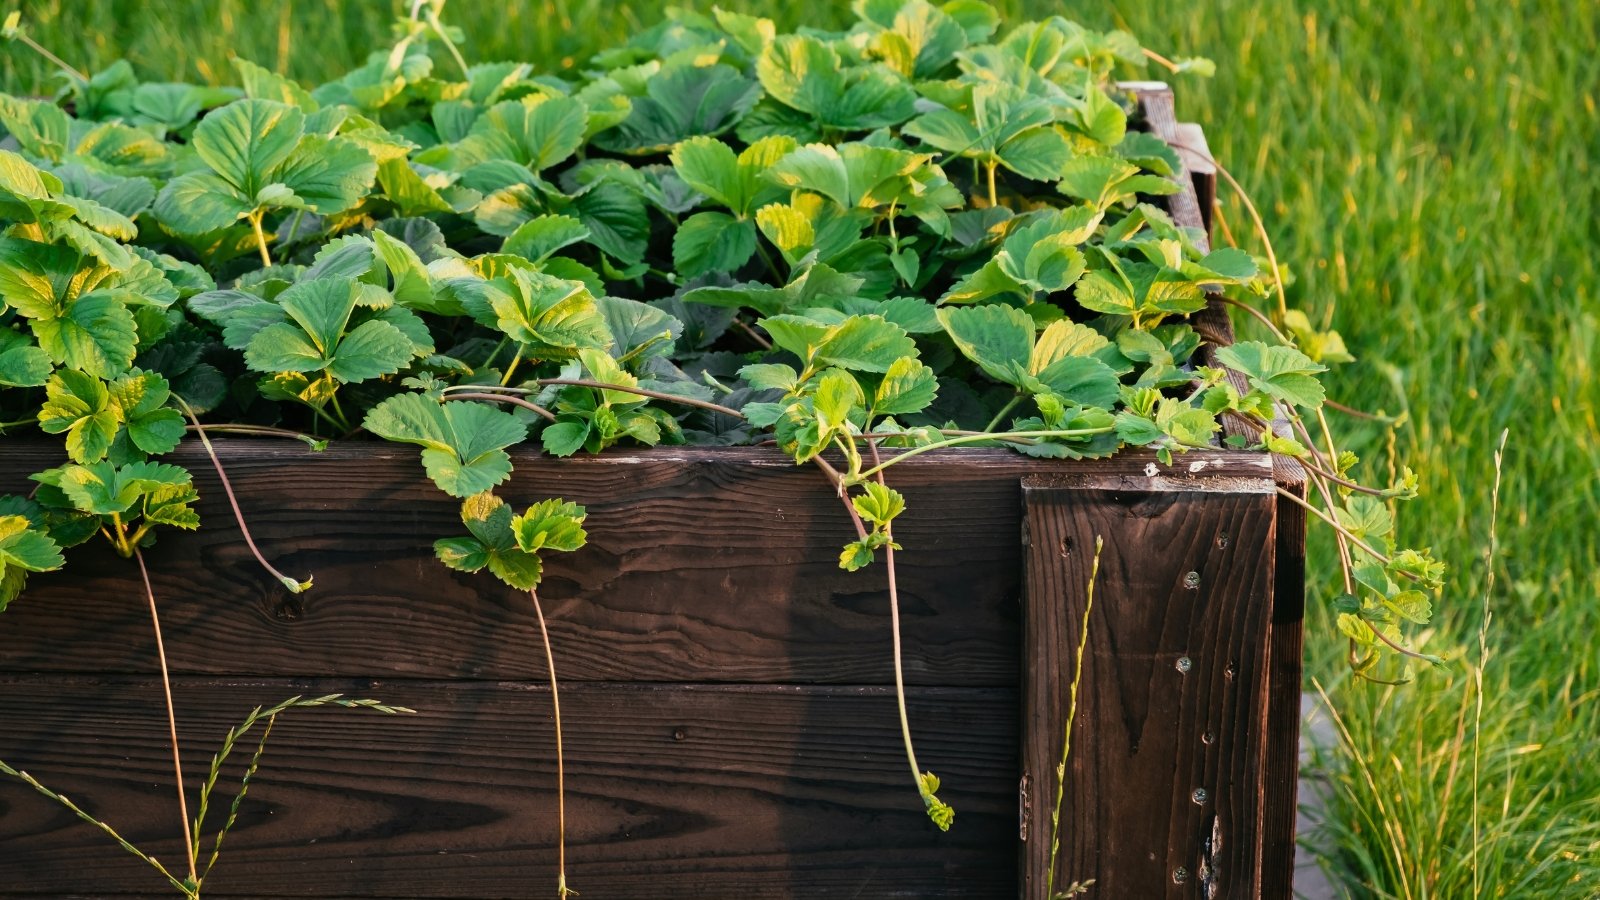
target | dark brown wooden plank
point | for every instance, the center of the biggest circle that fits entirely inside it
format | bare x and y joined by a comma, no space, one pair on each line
673,791
703,565
1281,783
1173,701
1196,154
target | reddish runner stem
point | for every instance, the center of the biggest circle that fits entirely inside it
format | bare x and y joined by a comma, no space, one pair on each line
172,715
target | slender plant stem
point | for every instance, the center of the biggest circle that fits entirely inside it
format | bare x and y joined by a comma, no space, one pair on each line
1165,63
257,431
974,438
751,333
899,665
561,765
516,360
994,199
1358,413
342,420
1222,222
1072,713
839,488
1343,482
643,392
233,808
507,398
496,351
438,28
622,388
1261,228
1010,405
294,226
172,715
233,502
112,832
1257,314
1370,550
60,63
261,237
1483,648
767,260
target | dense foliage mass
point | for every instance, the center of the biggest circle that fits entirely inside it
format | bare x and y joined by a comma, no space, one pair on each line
925,231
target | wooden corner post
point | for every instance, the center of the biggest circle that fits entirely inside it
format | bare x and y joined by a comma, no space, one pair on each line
1163,793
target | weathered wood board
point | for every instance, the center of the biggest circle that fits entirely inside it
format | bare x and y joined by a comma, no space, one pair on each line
728,704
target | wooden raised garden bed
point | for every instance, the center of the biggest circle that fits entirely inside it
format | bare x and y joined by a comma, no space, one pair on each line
729,705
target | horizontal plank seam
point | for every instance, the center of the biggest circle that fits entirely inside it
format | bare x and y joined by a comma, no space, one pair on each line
350,683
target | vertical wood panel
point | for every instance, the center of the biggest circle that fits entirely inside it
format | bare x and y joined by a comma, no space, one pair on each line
1281,783
1173,700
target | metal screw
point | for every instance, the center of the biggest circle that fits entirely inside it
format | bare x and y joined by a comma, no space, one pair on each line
1200,796
1207,738
1222,541
1191,580
1185,664
1180,875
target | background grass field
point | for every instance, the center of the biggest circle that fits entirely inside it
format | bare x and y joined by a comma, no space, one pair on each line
1428,170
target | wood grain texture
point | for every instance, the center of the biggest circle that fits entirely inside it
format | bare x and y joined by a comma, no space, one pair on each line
1196,154
1281,784
673,791
1173,699
703,566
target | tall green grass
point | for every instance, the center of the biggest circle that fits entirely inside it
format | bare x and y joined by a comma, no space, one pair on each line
1429,172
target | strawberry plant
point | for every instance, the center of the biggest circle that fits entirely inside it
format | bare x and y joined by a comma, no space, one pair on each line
927,231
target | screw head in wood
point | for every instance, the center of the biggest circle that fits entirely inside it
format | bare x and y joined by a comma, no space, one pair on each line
1200,796
1180,875
1192,580
1185,664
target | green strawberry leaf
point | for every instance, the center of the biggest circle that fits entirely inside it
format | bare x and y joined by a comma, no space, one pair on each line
998,338
94,333
565,436
918,39
1006,126
245,141
537,131
907,387
550,525
317,340
712,242
861,344
1145,292
553,317
682,101
327,175
492,544
139,400
79,405
803,73
24,548
463,443
877,504
540,237
21,363
105,489
1283,372
201,202
710,167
